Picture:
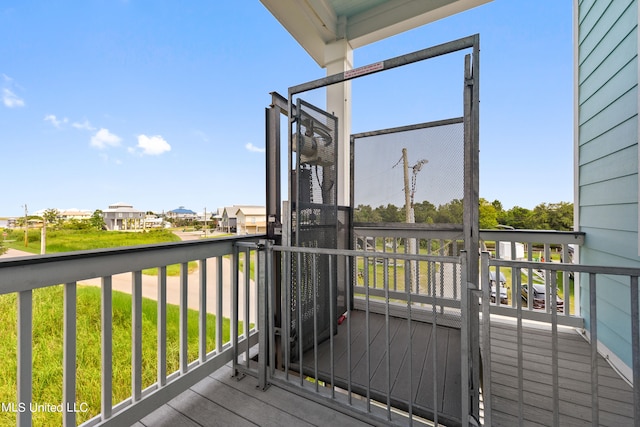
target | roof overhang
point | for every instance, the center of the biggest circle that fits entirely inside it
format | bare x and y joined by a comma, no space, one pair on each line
316,23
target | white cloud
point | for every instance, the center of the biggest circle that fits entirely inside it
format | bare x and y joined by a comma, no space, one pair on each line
253,148
153,145
103,139
83,126
10,99
51,118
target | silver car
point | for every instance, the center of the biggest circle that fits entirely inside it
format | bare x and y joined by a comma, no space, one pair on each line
503,288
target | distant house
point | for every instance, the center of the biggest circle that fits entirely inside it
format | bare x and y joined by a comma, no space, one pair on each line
79,214
153,221
228,221
251,220
122,216
182,213
217,217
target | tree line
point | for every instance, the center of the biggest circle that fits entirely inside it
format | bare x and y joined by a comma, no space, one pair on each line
545,216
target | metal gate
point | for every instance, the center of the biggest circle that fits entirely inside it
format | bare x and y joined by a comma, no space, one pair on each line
311,284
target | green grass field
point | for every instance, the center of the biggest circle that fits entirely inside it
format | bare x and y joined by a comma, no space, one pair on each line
48,327
77,240
47,348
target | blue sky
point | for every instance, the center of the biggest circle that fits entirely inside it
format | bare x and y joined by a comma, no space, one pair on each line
160,104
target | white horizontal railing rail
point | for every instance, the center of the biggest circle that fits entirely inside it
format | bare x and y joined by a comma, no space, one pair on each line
447,240
218,293
541,246
552,315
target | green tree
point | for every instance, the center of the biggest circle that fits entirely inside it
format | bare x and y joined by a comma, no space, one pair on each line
51,216
451,213
390,213
96,220
364,213
553,216
488,214
425,212
519,217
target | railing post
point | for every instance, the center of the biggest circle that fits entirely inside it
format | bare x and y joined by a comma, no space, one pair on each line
464,342
486,334
25,359
234,308
107,348
202,330
69,354
136,336
162,326
635,347
593,336
184,315
265,252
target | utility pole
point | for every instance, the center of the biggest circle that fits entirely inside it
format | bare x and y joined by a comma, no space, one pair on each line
43,237
409,194
205,221
410,245
26,226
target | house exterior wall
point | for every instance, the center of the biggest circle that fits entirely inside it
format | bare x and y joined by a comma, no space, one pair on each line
229,220
607,159
251,224
123,219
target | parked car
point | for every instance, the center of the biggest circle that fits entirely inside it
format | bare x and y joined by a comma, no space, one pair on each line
539,291
503,288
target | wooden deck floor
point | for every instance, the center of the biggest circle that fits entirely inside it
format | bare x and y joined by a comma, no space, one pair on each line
574,377
222,400
401,379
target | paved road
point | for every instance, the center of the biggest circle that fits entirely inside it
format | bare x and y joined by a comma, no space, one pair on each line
14,253
122,282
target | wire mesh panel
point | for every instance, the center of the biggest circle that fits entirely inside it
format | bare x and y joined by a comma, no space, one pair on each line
411,179
314,221
421,164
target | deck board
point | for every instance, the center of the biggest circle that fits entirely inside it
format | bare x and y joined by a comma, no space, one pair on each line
369,364
220,399
574,378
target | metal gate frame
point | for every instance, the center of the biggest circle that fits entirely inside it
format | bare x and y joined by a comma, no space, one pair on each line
471,124
470,343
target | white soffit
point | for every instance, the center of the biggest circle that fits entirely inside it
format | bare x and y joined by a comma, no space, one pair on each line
315,23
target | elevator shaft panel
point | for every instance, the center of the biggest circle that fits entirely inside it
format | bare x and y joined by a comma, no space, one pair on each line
314,219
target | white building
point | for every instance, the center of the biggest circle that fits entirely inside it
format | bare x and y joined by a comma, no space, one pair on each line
122,216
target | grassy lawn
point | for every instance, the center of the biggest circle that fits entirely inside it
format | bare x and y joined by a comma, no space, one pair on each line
396,269
47,348
77,240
